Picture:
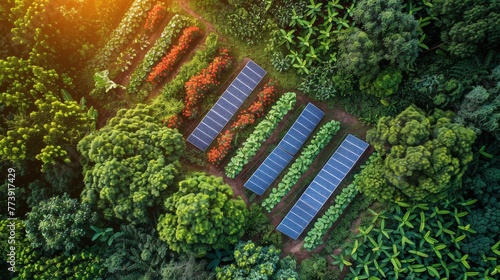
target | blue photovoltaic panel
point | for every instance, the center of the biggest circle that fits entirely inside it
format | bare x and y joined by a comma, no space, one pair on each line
268,171
322,187
301,129
224,109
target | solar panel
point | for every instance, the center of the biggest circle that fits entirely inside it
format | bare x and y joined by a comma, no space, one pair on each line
268,171
322,187
227,105
301,129
288,146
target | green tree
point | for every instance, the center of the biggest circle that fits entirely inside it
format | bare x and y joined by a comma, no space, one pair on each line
424,157
257,262
468,27
39,125
202,215
130,164
386,36
58,224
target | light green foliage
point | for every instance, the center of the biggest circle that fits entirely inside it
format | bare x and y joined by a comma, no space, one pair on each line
130,164
314,236
58,224
386,83
423,156
201,216
302,163
261,132
480,109
123,34
40,124
257,262
102,81
421,241
468,26
386,35
157,51
171,100
86,264
25,254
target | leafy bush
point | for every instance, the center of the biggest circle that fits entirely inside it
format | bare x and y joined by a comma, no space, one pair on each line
123,34
261,132
249,23
257,262
58,224
130,164
260,228
301,164
165,66
202,216
319,83
161,46
314,268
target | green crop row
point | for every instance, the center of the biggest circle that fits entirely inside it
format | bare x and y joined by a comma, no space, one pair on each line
261,132
124,33
302,164
173,92
314,237
157,51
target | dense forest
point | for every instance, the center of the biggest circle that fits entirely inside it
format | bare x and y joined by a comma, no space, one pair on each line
99,97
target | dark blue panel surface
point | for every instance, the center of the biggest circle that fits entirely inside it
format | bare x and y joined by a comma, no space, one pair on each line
322,187
227,105
268,171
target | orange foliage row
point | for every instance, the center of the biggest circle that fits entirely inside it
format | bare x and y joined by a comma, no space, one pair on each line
161,70
155,16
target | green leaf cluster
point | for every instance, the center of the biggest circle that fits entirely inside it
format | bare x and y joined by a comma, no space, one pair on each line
257,262
423,156
302,163
261,132
201,216
157,51
58,224
131,22
130,164
423,241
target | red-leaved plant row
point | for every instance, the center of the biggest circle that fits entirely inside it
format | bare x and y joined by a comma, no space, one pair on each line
247,117
155,16
198,86
167,63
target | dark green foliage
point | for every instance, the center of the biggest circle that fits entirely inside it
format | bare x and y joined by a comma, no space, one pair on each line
423,156
468,27
257,262
386,83
58,224
140,254
196,219
260,229
319,84
314,268
386,35
422,241
130,164
480,109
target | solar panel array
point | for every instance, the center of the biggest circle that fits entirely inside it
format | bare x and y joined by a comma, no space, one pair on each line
268,171
301,129
227,105
274,164
322,187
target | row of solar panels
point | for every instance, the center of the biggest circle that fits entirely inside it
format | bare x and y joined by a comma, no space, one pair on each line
322,187
227,105
279,158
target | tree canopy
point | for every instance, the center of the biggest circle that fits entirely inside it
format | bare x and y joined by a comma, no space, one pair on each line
130,164
423,156
202,215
